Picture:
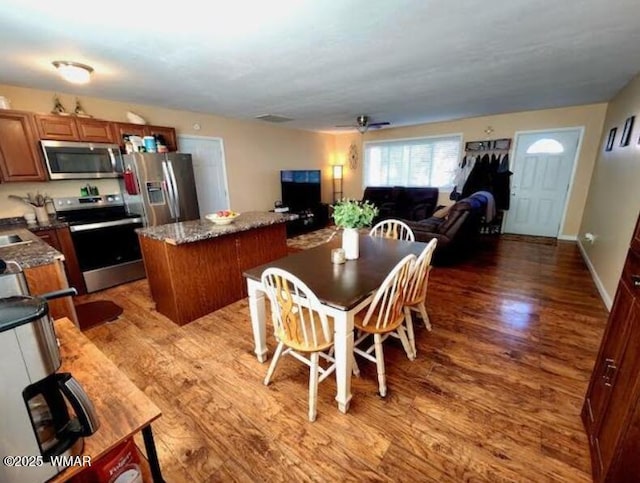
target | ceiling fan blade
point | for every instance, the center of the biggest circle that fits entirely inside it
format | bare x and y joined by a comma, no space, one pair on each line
378,124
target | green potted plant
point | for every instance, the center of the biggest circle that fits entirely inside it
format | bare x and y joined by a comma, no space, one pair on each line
351,215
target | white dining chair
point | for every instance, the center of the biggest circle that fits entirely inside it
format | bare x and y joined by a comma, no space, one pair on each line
416,297
395,229
383,316
300,325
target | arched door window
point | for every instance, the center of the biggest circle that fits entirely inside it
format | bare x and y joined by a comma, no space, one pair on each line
546,146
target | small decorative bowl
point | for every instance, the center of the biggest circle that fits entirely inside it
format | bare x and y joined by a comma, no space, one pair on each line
221,220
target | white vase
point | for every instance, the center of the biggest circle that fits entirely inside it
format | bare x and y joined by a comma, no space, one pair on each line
41,215
351,243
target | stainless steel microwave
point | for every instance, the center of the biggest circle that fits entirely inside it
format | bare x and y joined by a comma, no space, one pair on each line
78,160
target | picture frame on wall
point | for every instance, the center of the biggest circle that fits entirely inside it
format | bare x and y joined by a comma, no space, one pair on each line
626,132
611,139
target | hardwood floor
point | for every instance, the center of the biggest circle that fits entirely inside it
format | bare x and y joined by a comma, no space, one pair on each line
494,394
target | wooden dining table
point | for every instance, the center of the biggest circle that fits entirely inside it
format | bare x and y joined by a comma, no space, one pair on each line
343,289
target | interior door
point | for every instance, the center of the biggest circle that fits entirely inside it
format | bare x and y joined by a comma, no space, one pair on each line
542,170
209,170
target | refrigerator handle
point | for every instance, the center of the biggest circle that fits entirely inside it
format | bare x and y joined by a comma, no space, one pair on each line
169,188
176,194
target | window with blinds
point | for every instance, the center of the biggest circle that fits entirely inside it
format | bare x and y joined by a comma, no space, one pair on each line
429,161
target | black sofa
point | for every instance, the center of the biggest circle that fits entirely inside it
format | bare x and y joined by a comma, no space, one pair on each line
402,203
457,232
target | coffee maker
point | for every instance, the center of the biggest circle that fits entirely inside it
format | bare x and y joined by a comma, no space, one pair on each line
45,413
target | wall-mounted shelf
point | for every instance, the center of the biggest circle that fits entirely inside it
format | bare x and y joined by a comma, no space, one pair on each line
490,145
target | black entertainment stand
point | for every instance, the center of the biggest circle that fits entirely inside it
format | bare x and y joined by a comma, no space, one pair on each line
308,220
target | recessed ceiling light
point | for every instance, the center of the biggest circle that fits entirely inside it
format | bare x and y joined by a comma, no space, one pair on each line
73,72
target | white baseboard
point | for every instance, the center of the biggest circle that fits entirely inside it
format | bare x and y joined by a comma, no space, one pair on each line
606,298
568,237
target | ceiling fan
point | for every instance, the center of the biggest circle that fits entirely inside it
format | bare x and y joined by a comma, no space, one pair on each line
362,124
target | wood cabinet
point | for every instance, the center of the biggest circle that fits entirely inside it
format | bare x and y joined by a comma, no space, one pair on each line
122,129
49,278
95,130
60,239
57,128
183,293
19,156
611,411
68,128
168,133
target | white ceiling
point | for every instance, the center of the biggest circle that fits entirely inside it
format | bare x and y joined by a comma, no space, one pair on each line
323,62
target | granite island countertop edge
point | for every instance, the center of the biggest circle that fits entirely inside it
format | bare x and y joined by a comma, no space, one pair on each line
200,230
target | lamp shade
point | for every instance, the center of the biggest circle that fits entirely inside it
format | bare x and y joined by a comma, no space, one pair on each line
73,71
337,171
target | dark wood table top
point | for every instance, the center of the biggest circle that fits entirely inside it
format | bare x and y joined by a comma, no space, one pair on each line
344,286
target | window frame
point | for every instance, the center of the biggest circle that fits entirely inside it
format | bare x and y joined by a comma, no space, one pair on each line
365,144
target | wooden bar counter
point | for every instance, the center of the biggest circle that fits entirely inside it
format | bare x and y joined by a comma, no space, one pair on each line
196,267
123,409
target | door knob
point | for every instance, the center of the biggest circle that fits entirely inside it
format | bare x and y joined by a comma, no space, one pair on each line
635,280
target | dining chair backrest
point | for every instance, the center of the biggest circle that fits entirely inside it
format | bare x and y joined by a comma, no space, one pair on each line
298,316
417,287
386,309
395,229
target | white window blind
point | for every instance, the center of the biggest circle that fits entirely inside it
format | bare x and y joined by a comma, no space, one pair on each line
413,162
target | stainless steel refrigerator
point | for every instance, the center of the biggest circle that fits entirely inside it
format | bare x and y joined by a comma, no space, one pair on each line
161,187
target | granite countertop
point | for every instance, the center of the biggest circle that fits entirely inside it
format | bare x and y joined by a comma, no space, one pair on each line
28,255
198,230
18,222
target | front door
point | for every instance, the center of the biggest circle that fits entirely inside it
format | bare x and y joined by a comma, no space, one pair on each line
542,170
209,171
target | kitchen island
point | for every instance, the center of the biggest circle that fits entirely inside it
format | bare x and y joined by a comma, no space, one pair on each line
195,267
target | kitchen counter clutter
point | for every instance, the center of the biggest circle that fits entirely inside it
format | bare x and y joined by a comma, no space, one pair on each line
196,267
199,230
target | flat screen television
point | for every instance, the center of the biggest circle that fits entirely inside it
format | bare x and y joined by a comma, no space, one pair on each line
300,188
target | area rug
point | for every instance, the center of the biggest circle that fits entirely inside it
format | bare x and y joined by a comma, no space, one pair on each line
97,312
315,238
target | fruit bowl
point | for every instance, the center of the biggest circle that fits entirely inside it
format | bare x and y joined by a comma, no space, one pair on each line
224,217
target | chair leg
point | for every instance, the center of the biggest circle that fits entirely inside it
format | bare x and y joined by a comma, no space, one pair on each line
425,317
382,378
313,385
356,369
274,363
412,339
403,337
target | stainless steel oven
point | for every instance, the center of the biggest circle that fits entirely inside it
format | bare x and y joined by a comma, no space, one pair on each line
104,239
76,160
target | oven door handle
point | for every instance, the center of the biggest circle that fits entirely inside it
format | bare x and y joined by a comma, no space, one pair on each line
104,224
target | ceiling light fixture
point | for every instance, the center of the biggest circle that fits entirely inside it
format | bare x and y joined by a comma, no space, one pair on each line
73,72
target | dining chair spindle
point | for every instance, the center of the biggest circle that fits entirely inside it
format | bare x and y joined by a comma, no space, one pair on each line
395,229
416,296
